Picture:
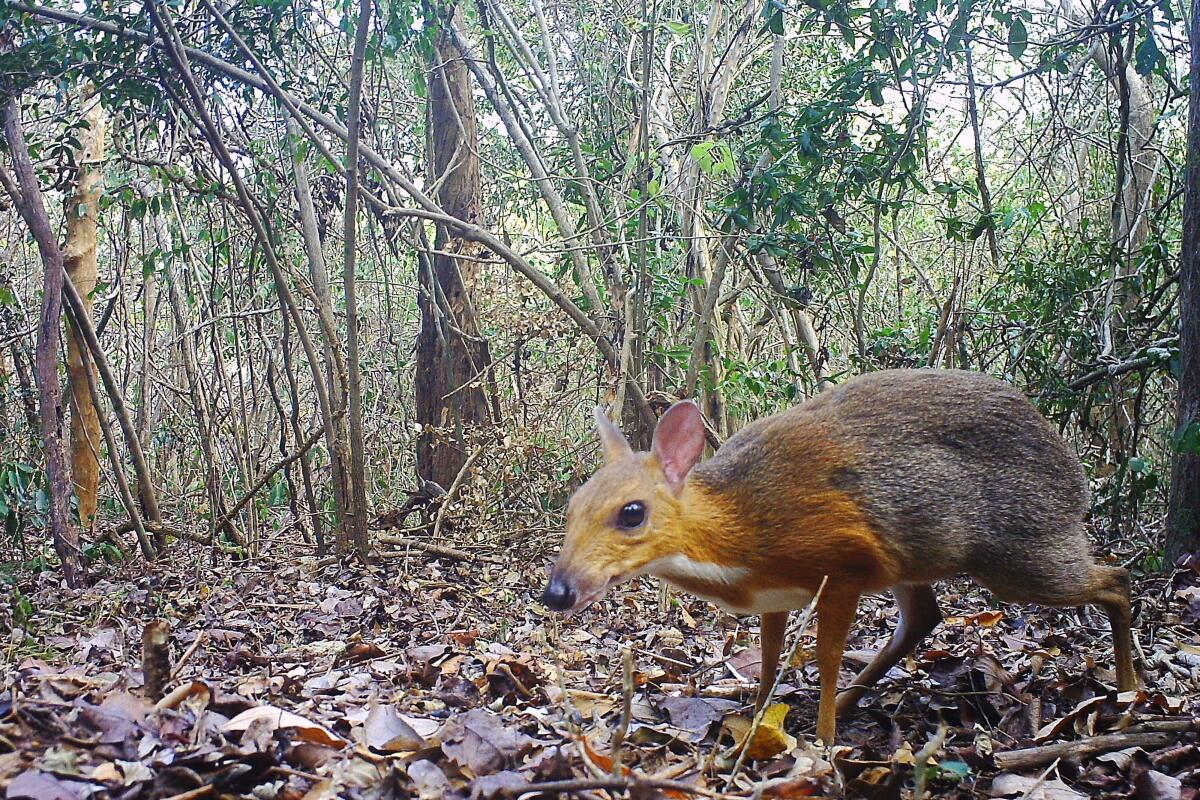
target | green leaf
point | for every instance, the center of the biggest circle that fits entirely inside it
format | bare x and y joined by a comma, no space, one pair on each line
725,163
279,494
681,29
773,12
1018,38
775,23
1187,441
23,609
1147,56
702,154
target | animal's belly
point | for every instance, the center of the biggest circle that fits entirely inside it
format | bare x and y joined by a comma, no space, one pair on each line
767,600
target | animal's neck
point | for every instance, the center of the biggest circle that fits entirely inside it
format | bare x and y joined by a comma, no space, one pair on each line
711,559
717,527
772,551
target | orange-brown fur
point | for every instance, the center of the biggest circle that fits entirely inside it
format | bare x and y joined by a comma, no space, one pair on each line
809,531
894,479
831,538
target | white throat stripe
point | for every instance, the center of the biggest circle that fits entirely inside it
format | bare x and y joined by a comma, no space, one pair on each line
681,567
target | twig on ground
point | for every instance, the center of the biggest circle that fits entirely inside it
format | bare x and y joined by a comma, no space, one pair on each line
187,654
521,688
417,544
1032,757
1041,779
618,739
1161,725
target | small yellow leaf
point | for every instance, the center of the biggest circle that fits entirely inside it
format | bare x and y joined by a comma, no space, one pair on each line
874,776
769,740
107,773
803,656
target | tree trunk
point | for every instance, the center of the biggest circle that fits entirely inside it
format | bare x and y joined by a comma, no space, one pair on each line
79,259
1130,220
1183,506
356,512
147,402
28,199
453,359
337,437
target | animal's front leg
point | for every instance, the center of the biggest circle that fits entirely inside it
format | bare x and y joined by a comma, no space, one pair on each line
774,624
835,615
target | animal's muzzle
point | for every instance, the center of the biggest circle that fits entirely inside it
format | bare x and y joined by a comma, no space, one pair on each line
559,595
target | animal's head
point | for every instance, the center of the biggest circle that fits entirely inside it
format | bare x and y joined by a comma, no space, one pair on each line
629,514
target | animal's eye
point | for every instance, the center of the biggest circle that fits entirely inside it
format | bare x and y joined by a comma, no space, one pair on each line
631,515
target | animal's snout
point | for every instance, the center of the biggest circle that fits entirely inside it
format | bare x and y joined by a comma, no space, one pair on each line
559,595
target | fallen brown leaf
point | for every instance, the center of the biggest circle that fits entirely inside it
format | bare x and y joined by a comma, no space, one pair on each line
278,718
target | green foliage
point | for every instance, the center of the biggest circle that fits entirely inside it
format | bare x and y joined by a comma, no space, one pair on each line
22,607
715,159
279,494
24,500
1187,439
105,550
1018,38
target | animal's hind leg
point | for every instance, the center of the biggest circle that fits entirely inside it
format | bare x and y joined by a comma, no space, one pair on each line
919,615
835,615
1109,589
1069,581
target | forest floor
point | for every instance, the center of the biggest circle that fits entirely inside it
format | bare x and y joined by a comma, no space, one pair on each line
435,678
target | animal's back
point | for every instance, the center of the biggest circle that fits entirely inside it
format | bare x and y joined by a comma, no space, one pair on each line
955,470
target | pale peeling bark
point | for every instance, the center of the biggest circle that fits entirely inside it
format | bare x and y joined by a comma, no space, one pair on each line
1133,201
337,436
79,259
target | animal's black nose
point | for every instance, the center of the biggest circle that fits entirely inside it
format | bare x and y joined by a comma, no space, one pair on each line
558,596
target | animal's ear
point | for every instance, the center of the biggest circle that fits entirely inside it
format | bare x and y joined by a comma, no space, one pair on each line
679,441
616,446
